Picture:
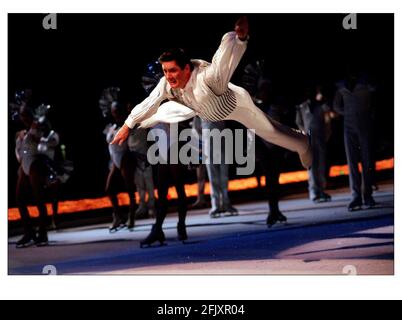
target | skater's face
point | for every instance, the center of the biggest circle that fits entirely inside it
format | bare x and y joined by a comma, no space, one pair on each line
176,76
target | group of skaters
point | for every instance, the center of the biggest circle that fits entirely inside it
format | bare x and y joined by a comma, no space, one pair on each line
199,94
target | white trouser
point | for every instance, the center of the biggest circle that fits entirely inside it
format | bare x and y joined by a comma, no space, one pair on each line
248,114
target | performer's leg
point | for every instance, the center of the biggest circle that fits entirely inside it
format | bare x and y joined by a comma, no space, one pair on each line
128,168
110,187
272,180
200,202
111,192
201,171
352,155
215,188
149,184
315,184
274,159
37,177
367,166
224,181
312,190
178,171
321,173
156,233
214,177
322,164
140,183
22,190
163,188
270,130
54,195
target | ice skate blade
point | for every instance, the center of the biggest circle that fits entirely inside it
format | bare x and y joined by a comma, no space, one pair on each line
354,209
116,229
151,245
25,245
42,244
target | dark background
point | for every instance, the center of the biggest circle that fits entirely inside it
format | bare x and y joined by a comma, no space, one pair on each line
69,67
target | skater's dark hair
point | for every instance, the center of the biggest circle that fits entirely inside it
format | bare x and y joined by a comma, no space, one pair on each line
178,55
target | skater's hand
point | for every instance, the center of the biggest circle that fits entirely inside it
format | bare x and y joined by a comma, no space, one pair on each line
121,135
241,28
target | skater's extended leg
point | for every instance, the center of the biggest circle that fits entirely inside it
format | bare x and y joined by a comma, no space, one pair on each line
270,130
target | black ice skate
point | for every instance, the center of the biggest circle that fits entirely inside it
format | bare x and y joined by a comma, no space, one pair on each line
181,231
355,204
117,224
26,241
156,235
42,239
131,220
275,217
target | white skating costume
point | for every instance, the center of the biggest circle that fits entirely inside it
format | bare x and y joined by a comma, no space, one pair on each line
116,151
27,148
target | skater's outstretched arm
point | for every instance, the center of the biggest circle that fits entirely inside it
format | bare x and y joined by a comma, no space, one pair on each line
227,57
142,111
149,106
169,112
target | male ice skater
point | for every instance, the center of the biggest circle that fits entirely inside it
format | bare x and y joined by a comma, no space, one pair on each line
196,87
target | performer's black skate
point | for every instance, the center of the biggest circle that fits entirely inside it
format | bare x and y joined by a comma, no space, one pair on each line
131,220
42,239
215,213
369,202
27,240
181,231
117,223
275,217
230,211
355,204
156,235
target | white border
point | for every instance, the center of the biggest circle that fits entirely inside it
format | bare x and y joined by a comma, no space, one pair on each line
197,287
